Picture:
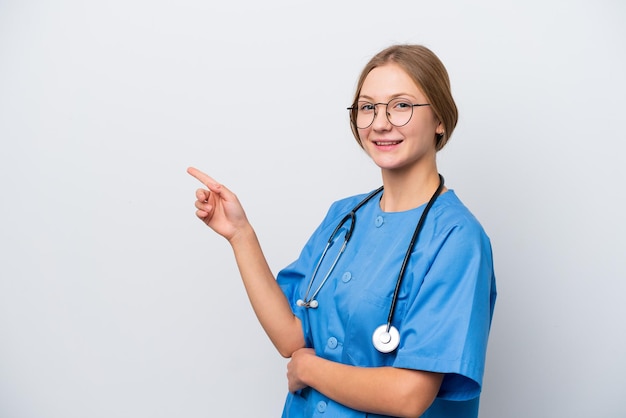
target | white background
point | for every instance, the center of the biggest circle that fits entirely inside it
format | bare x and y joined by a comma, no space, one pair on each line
115,301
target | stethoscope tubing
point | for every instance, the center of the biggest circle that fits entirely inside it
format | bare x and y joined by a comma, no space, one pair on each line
386,337
351,216
409,250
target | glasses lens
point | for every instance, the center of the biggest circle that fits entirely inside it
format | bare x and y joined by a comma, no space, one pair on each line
399,112
365,113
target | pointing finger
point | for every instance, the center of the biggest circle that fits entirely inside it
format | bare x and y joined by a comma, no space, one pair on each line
212,185
204,178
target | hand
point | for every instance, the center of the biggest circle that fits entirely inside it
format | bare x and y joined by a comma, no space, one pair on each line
218,207
296,366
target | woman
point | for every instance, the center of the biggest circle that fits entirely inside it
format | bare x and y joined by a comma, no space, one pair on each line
427,355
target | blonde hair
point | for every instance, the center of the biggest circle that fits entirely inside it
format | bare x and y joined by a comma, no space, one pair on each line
428,73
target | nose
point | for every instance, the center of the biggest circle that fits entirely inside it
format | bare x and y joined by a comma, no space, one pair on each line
381,117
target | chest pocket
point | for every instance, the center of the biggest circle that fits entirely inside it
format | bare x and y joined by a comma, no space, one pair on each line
368,313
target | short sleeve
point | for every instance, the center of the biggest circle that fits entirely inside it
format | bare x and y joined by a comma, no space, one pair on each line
445,327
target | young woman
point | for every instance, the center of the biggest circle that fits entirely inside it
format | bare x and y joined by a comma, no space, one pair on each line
390,315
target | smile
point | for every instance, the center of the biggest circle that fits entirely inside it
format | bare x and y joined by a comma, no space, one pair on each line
386,143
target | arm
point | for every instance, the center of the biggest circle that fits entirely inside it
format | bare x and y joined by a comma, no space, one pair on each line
380,390
220,209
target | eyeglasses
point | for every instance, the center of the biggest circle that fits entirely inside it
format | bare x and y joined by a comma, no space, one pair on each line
398,112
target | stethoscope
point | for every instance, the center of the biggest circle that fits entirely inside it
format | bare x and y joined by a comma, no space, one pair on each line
386,337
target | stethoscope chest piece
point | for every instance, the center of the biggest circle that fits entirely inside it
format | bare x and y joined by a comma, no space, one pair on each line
386,341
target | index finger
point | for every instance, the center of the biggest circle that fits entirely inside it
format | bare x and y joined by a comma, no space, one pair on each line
202,177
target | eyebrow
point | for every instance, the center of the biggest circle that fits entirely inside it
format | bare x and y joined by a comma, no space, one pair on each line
393,96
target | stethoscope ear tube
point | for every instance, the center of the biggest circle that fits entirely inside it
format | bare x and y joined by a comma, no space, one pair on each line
311,302
351,216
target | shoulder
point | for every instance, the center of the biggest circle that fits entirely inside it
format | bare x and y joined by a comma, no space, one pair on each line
450,213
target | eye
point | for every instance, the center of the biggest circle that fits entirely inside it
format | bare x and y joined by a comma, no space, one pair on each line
366,107
401,105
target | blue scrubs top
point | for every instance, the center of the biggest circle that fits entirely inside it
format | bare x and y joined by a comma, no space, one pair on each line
444,307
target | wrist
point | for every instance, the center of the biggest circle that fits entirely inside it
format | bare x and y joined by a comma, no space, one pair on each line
242,236
311,364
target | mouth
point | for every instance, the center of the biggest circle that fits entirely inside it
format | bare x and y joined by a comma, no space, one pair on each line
386,143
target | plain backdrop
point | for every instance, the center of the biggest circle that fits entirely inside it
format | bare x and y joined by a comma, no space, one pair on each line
115,301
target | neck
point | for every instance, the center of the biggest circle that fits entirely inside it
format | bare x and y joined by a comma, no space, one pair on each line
403,192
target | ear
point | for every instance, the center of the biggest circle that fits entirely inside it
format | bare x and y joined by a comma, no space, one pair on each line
440,130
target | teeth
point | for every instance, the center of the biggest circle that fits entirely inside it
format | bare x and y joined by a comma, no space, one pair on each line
387,142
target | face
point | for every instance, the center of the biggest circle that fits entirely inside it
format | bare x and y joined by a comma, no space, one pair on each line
389,146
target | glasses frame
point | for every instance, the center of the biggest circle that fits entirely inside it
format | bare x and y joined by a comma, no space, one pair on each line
354,111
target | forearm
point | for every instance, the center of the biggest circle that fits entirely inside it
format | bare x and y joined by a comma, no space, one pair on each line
381,390
267,299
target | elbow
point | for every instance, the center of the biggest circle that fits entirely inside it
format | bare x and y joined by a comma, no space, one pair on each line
284,352
289,339
287,350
